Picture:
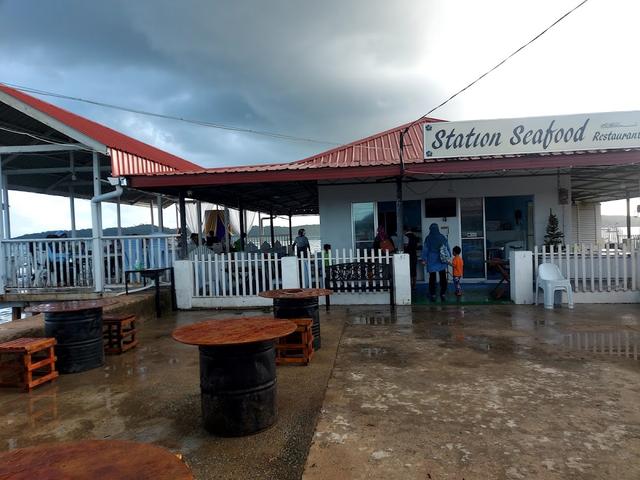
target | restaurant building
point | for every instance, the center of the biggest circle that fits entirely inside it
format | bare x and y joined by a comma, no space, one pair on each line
490,185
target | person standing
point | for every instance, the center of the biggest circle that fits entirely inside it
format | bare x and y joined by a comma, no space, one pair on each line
436,255
301,243
383,242
458,268
411,248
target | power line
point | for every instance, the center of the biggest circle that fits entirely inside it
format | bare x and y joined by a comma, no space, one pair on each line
202,123
499,64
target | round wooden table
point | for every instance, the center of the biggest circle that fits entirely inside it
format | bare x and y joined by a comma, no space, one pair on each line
93,459
299,303
237,371
77,327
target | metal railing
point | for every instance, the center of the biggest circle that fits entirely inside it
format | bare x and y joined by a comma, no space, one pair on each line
237,274
312,267
592,268
63,263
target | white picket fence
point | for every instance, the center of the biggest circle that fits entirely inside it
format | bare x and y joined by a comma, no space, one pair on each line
312,267
592,268
236,274
64,263
243,274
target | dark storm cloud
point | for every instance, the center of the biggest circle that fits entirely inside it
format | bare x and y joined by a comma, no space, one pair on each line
328,70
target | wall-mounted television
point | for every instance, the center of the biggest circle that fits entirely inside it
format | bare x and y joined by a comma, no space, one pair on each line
440,207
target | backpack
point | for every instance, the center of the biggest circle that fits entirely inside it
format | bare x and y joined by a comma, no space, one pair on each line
445,257
388,245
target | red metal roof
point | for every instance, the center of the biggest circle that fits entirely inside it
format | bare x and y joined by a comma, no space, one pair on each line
378,156
381,149
128,155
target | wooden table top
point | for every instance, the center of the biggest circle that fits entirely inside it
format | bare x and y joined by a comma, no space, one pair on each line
71,305
233,331
93,459
294,293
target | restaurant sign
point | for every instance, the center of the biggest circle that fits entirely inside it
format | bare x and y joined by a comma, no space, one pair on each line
512,136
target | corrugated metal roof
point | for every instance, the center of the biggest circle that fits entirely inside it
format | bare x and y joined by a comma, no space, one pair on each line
128,155
381,149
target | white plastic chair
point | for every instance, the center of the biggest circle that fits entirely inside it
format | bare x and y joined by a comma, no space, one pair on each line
550,280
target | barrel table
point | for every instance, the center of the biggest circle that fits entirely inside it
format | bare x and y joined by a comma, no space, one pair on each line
237,371
298,303
77,327
93,459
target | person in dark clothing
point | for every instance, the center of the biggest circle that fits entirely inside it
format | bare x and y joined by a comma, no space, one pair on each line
411,248
435,255
383,242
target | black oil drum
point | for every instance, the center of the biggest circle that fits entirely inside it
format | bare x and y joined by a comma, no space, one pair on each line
238,388
300,308
79,339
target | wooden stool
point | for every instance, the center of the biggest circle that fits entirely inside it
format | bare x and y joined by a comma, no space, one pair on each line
30,361
298,346
119,333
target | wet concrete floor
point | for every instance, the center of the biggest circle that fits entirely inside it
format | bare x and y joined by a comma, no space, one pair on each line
151,394
485,392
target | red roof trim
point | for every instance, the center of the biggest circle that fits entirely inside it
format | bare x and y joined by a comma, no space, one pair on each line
485,165
105,135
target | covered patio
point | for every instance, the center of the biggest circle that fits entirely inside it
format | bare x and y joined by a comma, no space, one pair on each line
45,149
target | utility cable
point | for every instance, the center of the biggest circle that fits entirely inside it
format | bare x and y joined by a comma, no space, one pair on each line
201,123
502,62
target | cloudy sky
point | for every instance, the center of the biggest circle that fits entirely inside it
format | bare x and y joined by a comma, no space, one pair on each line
333,71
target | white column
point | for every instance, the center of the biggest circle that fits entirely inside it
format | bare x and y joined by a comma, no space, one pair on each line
160,214
199,224
184,283
3,271
72,200
290,277
153,224
119,218
96,229
5,205
72,211
521,276
402,279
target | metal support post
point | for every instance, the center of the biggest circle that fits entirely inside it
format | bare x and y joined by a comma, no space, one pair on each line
72,196
183,226
290,231
628,219
5,204
160,214
399,215
96,228
119,217
3,271
199,222
273,236
153,223
242,226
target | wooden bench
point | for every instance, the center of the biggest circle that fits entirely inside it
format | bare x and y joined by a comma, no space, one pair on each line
362,276
119,333
27,362
296,347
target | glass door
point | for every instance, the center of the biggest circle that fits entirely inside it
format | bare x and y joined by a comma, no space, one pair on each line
472,235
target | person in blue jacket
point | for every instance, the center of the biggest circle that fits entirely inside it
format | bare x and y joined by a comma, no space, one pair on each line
435,253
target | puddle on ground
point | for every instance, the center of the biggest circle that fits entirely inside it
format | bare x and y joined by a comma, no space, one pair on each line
619,343
373,351
372,318
401,316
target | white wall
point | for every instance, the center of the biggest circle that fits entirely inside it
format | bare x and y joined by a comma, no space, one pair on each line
336,200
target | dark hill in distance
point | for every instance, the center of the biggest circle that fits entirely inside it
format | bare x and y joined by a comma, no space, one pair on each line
312,231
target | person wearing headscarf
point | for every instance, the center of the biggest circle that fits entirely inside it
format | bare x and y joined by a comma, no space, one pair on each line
383,242
433,250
